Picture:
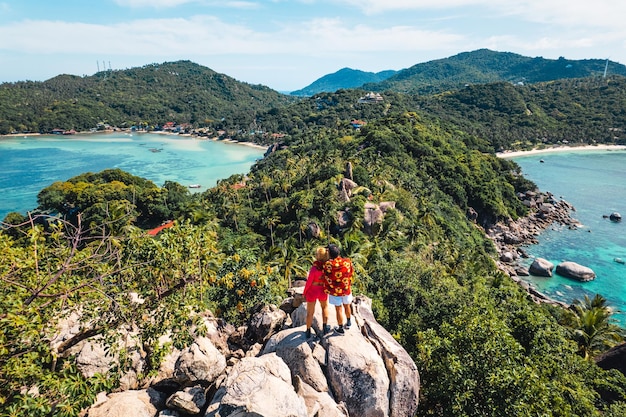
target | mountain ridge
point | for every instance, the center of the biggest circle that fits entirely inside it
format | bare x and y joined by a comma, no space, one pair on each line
343,79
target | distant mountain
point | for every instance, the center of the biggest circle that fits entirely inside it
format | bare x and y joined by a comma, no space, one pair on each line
181,92
486,66
343,79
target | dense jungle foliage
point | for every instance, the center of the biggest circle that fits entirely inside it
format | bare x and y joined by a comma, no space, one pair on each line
487,66
181,92
481,346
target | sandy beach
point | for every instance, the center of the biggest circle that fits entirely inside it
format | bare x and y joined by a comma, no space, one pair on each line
561,148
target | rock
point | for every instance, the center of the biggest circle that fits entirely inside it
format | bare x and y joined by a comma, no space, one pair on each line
357,375
472,214
313,230
575,271
94,358
508,257
266,321
614,358
404,376
372,218
291,346
189,401
385,206
144,403
615,217
199,363
541,267
319,403
259,386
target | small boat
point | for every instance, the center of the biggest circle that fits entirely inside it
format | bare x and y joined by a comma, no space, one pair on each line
619,260
194,186
542,161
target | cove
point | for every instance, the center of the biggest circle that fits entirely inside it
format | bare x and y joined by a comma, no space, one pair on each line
31,163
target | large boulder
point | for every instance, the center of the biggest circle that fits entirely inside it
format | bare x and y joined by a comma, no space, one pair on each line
357,374
615,217
403,374
291,346
614,358
199,363
541,267
258,386
319,403
144,403
265,321
575,271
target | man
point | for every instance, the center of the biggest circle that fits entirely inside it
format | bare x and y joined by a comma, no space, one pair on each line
338,273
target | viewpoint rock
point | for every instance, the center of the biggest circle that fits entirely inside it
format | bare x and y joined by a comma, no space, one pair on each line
269,368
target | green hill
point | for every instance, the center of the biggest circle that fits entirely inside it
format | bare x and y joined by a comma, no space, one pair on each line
181,92
342,79
486,66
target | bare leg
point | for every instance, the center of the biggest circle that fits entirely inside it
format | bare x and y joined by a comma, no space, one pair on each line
324,305
348,311
310,311
339,312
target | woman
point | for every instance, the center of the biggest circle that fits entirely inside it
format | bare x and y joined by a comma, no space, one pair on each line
314,291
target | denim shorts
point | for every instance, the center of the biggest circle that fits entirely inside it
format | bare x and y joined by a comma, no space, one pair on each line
339,300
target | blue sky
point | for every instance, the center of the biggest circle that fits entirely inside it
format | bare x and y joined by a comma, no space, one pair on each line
288,44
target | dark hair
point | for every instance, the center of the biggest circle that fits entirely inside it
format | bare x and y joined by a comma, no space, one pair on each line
333,251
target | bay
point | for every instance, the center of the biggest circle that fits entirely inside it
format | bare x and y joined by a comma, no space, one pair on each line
594,181
31,163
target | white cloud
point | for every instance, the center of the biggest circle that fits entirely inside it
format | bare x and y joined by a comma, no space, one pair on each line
597,13
206,35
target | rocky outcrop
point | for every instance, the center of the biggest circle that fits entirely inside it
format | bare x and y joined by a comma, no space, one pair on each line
511,235
257,386
615,217
573,270
614,358
269,368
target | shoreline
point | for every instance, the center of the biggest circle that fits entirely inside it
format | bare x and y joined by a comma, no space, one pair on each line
560,148
160,132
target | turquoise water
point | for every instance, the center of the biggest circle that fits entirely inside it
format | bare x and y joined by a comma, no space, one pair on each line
595,183
28,164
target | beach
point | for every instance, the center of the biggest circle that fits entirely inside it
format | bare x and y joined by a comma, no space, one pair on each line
560,148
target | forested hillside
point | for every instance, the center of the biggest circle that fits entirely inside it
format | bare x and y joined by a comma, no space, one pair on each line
486,66
342,79
181,92
569,111
482,347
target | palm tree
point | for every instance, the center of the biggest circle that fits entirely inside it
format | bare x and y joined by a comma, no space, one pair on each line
288,260
592,327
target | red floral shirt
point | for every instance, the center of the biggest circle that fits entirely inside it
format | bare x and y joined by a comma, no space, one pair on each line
338,274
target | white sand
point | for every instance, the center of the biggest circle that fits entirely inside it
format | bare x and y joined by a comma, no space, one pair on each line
513,154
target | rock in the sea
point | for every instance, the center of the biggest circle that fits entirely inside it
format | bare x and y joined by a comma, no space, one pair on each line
615,217
541,267
575,271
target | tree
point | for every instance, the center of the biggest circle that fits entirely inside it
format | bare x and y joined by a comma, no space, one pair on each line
592,327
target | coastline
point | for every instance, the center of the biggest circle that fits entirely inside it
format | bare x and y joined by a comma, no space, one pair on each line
186,135
560,148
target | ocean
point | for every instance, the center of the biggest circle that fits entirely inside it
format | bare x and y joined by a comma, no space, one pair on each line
594,182
31,163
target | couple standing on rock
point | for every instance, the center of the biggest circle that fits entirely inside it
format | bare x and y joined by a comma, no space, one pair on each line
329,281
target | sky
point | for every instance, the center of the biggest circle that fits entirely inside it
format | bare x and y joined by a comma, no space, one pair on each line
288,44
